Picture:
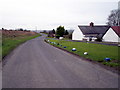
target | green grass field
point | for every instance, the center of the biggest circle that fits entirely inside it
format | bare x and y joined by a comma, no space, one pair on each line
9,43
96,52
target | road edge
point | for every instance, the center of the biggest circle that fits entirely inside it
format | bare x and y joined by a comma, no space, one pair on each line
89,60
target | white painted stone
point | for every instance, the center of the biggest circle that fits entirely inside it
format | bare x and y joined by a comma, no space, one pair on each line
60,37
73,49
85,53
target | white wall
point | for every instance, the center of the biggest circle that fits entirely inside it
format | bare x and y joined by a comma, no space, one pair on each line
111,36
77,34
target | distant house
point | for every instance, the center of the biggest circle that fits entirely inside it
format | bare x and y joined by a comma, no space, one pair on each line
89,33
112,35
51,34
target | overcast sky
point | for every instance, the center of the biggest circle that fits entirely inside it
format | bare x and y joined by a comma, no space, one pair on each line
49,14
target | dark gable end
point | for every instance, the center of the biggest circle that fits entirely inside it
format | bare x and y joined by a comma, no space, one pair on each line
97,31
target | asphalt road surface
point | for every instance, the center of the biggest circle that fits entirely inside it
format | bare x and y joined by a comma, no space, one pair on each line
36,64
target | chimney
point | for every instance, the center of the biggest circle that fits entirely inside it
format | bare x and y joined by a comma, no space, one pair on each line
91,24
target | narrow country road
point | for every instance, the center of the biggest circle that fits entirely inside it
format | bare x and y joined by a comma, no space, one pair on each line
36,64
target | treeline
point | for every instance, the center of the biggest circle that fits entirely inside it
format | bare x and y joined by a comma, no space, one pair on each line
60,32
20,29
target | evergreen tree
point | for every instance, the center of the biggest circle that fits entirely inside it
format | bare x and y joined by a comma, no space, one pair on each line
66,32
53,31
60,31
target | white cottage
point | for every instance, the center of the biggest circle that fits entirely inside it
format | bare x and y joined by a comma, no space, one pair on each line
77,34
89,33
112,35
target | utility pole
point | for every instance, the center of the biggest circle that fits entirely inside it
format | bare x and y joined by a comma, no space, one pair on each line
119,5
118,13
36,28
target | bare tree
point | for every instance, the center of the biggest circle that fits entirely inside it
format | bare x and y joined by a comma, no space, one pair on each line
114,18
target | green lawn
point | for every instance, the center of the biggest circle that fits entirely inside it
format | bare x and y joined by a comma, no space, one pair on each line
96,52
9,43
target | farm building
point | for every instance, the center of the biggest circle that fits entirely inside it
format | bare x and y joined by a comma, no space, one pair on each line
90,33
112,35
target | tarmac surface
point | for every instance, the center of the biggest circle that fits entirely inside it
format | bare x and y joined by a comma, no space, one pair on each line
36,64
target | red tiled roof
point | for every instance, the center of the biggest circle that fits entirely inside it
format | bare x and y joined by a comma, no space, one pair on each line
116,29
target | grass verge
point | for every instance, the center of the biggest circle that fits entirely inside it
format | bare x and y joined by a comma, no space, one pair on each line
96,52
9,43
